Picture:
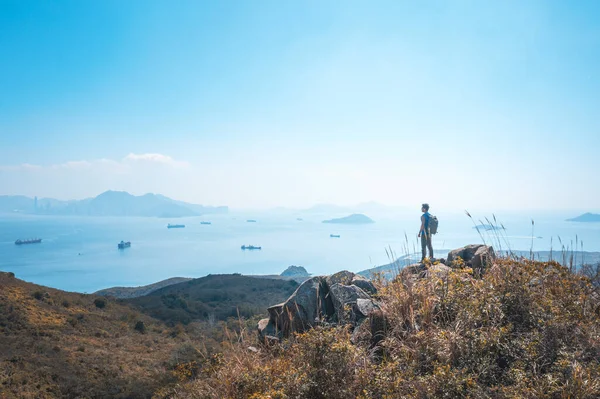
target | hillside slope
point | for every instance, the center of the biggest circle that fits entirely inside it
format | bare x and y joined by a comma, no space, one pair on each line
60,344
134,292
214,297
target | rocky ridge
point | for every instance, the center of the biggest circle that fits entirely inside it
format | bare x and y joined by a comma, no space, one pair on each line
349,298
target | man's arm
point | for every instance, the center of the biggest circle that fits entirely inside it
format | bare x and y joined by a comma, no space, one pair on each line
422,226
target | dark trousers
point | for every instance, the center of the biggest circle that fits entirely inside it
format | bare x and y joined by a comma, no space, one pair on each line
426,243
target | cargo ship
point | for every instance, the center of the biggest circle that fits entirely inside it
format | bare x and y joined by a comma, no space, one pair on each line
250,247
30,241
334,235
175,226
205,222
123,244
251,221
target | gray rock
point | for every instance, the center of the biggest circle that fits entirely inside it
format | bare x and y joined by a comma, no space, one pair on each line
339,298
415,268
309,304
275,312
483,258
364,284
364,307
439,269
344,277
267,331
469,252
343,295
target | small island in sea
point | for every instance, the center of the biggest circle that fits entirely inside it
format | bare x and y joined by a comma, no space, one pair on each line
295,271
586,218
356,218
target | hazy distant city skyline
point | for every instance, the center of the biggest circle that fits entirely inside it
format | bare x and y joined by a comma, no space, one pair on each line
263,104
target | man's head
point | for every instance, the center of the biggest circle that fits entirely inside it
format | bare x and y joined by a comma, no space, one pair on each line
425,208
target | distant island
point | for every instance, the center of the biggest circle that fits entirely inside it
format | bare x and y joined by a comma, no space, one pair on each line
586,218
356,218
109,203
295,271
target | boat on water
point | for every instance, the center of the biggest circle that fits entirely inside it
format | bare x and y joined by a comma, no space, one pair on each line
250,247
250,221
334,235
299,219
30,241
175,226
123,244
205,222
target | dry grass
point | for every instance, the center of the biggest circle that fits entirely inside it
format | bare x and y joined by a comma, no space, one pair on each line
525,329
60,344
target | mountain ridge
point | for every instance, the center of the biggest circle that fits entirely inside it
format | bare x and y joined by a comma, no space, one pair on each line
108,203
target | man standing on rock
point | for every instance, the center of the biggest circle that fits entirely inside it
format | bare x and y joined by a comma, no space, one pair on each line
425,234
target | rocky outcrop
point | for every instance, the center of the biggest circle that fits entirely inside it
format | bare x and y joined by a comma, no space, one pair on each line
478,257
295,271
343,297
347,298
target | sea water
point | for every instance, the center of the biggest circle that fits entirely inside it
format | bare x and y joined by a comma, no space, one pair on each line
80,253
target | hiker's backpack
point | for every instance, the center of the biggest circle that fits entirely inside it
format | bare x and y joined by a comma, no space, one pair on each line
433,224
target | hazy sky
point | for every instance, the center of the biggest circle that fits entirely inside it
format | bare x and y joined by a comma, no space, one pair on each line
465,104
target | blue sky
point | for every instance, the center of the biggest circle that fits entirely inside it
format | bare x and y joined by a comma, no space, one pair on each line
465,104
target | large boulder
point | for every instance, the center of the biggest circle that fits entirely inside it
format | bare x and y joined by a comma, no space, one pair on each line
364,284
343,297
344,277
306,307
436,270
483,258
477,256
363,308
267,331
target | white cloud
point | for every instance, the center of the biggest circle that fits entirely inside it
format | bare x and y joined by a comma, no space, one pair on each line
121,166
21,167
155,158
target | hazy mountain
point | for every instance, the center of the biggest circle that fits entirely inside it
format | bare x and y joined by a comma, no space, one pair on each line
200,209
586,218
109,203
356,218
326,209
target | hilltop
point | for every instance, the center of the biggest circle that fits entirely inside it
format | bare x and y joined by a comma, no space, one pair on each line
109,203
501,329
478,326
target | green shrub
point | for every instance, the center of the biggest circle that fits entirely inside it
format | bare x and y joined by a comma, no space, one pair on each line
140,327
100,303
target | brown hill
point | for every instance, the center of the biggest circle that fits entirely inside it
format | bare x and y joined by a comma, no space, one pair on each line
214,297
134,292
61,344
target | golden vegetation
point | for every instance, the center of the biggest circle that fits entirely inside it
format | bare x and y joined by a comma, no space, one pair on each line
60,344
524,330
